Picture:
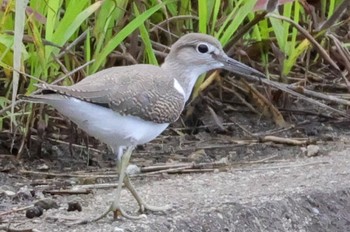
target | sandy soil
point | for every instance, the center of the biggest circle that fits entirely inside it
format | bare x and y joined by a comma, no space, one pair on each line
295,194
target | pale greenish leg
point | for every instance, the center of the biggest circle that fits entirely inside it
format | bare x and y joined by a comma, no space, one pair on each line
115,206
143,206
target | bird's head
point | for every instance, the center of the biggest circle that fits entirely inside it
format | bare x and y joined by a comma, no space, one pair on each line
201,53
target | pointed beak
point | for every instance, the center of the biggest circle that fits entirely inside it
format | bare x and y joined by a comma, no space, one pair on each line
238,68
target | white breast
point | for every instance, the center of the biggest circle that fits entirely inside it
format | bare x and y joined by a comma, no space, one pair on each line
106,125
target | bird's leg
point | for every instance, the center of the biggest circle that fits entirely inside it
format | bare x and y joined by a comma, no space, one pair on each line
143,206
115,207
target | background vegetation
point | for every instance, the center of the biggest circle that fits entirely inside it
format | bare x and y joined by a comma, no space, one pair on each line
301,45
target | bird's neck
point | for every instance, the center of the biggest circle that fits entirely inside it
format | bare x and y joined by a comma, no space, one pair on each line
186,76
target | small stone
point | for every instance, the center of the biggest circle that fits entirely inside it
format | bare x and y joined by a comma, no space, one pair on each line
9,167
303,150
24,193
224,160
315,211
9,193
7,188
312,150
74,206
6,195
118,229
220,216
46,204
198,156
42,167
133,169
34,212
87,180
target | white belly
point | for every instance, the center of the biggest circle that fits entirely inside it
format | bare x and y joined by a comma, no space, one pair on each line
106,125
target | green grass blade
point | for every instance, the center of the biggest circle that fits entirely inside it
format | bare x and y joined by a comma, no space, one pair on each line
72,21
287,12
125,32
172,8
6,55
240,14
294,55
110,13
203,15
52,17
17,51
278,29
146,40
215,15
53,9
185,9
87,49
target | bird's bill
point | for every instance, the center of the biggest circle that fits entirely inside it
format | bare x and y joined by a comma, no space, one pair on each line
239,68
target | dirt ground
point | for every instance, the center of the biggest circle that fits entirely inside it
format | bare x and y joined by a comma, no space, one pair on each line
292,194
260,185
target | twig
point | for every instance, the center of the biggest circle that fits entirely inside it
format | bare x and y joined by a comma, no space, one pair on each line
186,171
284,166
261,160
285,88
68,191
97,186
35,137
305,112
66,175
313,41
275,131
72,72
5,109
288,141
174,18
319,95
7,228
180,168
162,167
240,98
16,210
164,171
75,42
216,119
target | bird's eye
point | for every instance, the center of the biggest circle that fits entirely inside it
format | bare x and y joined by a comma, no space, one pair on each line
202,48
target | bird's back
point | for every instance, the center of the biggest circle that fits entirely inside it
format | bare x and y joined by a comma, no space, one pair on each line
144,91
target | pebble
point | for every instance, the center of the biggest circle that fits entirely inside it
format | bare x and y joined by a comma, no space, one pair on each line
118,229
34,212
74,206
42,167
24,193
198,156
133,169
312,150
46,204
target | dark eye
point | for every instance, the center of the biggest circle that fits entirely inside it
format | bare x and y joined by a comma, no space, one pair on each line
202,48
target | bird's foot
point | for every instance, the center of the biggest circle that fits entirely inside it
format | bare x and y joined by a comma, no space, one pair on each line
146,207
118,212
121,213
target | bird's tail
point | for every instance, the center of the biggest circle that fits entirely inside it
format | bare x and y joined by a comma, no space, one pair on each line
25,98
40,98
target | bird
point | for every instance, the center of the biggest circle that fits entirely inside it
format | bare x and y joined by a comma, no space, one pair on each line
126,106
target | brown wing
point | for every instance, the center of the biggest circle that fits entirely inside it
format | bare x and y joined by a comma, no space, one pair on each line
139,90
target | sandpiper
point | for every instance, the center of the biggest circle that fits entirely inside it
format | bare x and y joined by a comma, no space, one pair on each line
131,105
